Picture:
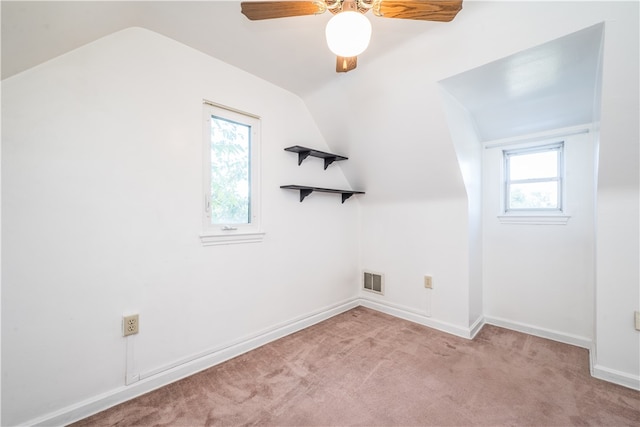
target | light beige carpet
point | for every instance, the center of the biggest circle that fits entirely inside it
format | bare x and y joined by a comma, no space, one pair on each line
370,369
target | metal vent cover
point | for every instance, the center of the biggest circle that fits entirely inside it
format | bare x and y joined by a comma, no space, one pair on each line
373,282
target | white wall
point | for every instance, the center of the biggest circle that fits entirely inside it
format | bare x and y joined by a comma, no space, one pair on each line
617,354
408,240
542,276
617,351
389,116
77,202
469,151
101,202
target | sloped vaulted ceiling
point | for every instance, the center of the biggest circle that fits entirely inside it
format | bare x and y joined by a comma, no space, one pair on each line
549,86
289,52
386,115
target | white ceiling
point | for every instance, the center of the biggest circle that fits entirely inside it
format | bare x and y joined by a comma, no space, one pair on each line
290,52
554,83
387,112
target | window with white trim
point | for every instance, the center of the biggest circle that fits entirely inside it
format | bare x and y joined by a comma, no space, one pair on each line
231,176
533,179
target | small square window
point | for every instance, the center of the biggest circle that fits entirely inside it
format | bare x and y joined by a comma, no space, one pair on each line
533,179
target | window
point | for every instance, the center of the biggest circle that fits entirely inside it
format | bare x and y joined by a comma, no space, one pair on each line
533,179
231,176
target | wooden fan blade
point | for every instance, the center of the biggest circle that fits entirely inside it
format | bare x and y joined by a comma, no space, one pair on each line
256,10
425,10
344,64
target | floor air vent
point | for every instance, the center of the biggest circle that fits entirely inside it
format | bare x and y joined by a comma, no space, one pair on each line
373,282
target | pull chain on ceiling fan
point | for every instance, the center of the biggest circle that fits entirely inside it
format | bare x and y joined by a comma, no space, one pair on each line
347,32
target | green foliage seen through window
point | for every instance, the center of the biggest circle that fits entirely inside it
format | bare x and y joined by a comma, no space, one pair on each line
230,149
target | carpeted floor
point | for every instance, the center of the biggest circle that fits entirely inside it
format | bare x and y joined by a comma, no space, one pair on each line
370,369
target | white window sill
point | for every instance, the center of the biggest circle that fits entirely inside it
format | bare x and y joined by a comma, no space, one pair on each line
231,238
534,219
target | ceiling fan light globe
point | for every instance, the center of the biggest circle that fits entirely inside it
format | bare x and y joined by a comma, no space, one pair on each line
348,33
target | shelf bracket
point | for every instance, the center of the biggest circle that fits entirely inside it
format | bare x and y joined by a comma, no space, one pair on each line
345,196
328,161
303,155
304,192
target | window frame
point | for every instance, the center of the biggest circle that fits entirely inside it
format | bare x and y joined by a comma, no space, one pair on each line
224,234
507,155
535,216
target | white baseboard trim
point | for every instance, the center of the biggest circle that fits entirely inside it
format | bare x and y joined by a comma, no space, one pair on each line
412,315
616,377
611,375
477,326
186,367
157,378
251,342
597,371
562,337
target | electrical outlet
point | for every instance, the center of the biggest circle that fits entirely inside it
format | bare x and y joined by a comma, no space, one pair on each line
428,282
130,325
637,317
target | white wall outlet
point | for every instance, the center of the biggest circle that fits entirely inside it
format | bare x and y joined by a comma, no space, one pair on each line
637,316
130,325
428,282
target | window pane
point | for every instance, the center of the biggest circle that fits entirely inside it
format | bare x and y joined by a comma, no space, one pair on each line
230,145
534,165
535,195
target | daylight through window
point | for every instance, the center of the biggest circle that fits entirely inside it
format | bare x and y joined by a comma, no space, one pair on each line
230,172
533,178
231,151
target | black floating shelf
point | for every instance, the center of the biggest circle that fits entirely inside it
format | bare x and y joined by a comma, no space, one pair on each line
305,191
304,152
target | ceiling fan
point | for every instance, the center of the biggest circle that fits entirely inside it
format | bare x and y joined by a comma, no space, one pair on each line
348,32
